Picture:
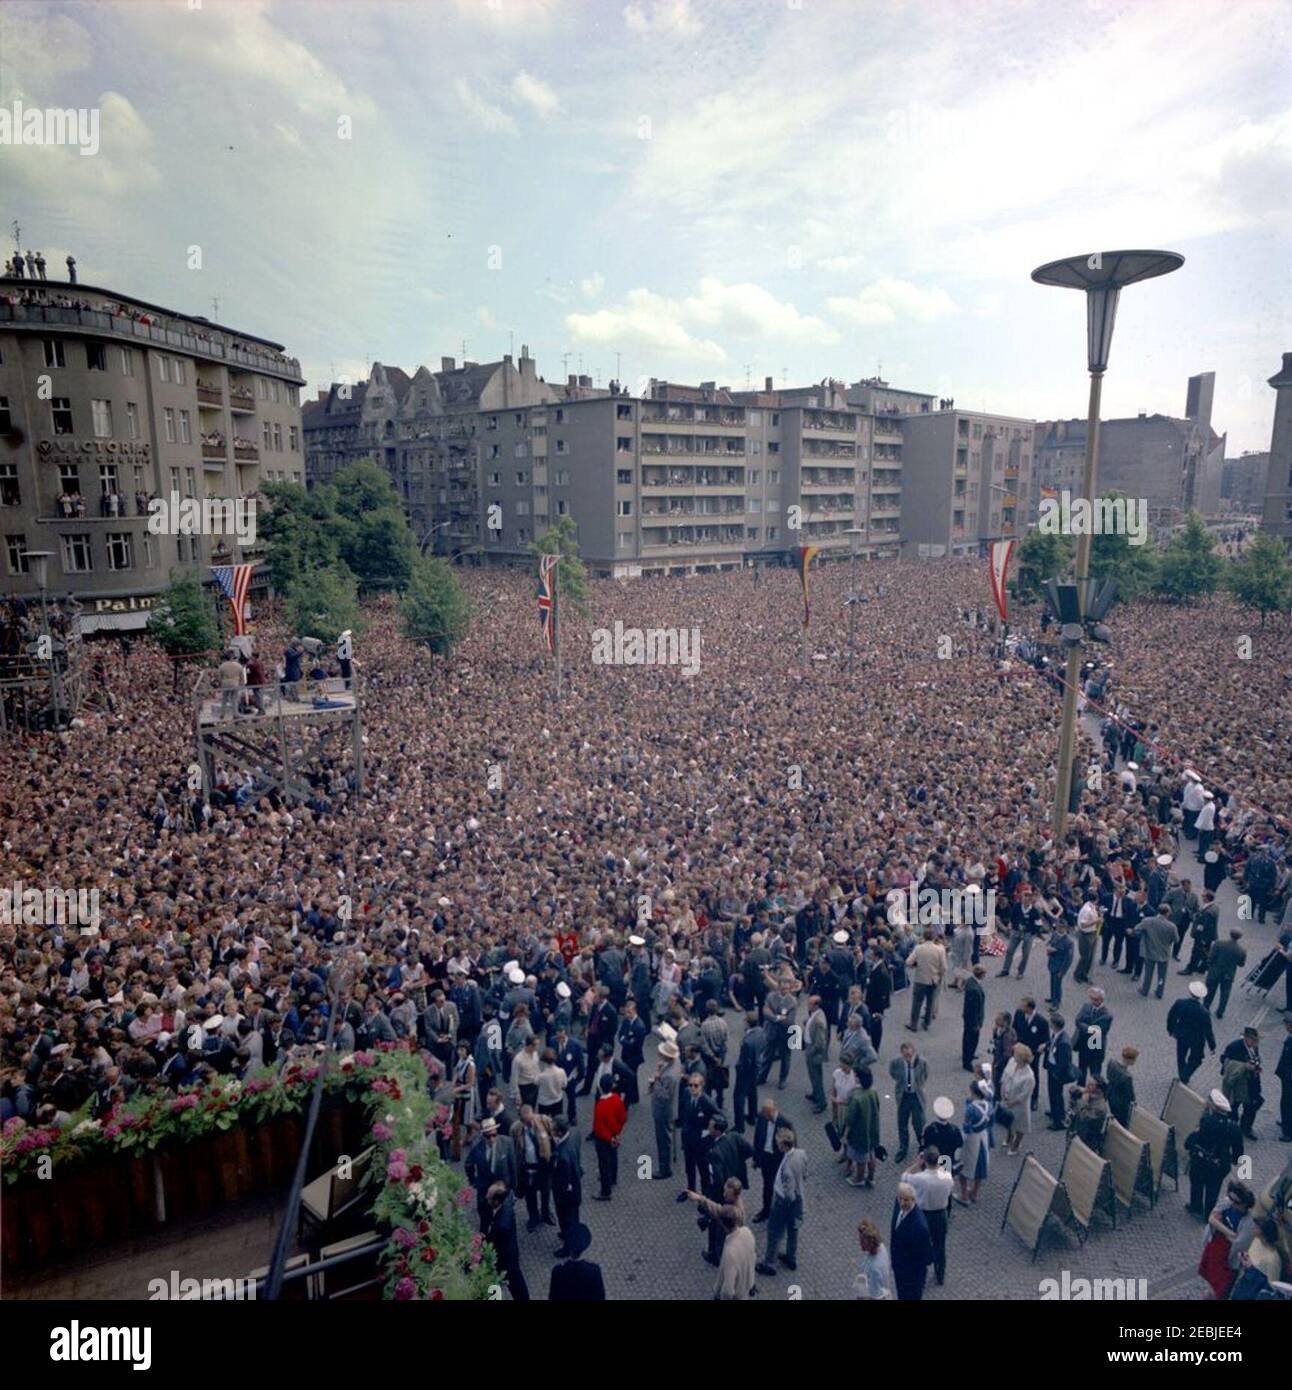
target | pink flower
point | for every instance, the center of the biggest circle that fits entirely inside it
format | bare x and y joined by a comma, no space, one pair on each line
404,1238
405,1289
464,1198
396,1172
382,1132
398,1155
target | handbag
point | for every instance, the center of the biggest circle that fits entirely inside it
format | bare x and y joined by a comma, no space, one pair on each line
832,1134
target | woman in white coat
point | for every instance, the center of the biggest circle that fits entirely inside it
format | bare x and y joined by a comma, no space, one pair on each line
1016,1086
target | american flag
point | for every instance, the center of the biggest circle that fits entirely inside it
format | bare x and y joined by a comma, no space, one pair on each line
547,597
234,582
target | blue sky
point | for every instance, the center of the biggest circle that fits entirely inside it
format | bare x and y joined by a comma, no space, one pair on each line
710,189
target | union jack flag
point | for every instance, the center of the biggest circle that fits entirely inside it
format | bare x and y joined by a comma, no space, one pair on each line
234,582
547,597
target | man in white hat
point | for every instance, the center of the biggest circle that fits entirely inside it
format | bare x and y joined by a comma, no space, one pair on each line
663,1105
1214,1147
1189,1023
1191,802
1206,823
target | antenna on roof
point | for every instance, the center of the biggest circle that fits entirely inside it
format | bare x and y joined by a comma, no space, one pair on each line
565,364
748,365
215,307
619,366
511,343
784,376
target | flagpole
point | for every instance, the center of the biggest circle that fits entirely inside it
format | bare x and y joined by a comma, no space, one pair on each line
556,623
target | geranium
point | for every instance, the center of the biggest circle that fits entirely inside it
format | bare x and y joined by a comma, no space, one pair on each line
405,1289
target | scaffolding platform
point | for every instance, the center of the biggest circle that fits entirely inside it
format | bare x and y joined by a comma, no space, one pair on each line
278,733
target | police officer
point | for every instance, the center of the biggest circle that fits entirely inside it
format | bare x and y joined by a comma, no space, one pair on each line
1214,1147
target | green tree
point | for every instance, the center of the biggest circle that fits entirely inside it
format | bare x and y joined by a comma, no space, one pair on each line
560,539
435,608
1189,567
1114,556
301,530
1041,555
1262,579
372,533
324,604
183,620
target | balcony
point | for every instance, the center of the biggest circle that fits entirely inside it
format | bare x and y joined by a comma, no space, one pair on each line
246,453
241,402
210,397
212,449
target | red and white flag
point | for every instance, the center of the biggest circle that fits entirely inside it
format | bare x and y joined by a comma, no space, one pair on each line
999,560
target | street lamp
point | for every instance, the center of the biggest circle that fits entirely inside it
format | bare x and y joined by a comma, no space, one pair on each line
1102,276
38,562
854,534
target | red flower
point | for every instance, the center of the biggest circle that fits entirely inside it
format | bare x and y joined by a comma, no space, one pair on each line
423,1227
437,1295
415,1172
429,1254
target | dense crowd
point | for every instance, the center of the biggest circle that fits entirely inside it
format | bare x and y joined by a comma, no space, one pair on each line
531,890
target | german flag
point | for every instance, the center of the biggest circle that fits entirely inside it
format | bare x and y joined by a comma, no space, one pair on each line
806,555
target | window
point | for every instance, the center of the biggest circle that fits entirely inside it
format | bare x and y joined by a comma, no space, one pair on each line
108,480
69,478
185,432
9,494
753,475
773,504
76,553
181,375
54,356
278,439
560,445
519,418
521,477
101,411
776,419
560,415
16,553
625,540
96,357
119,550
624,477
493,451
773,476
522,533
491,423
755,446
6,420
132,420
562,507
773,448
150,551
495,479
773,533
174,479
127,361
624,444
562,477
754,504
61,410
625,508
519,450
190,482
296,477
293,439
273,391
181,548
522,508
751,533
754,417
168,421
163,368
265,435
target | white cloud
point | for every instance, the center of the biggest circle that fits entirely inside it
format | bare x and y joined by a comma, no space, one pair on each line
748,311
840,263
485,315
593,284
646,321
484,113
535,93
37,47
888,300
663,17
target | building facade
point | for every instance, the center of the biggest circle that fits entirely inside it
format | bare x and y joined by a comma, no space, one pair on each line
1277,516
967,480
1242,483
108,402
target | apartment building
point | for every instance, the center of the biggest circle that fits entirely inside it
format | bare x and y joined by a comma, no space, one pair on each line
1242,483
1278,485
967,477
107,401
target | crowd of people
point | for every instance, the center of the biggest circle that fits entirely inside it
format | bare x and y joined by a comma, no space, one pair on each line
658,892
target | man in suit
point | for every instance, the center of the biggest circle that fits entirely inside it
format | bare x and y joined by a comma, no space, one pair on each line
1206,927
766,1155
816,1051
1157,938
975,1010
1121,1086
1059,953
927,967
1121,916
500,1231
632,1036
567,1180
1058,1072
749,1062
603,1023
778,1012
577,1280
910,1247
489,1160
1240,1068
694,1111
531,1137
1189,1023
1030,1027
726,1156
787,1205
1226,959
663,1104
1090,1034
573,1061
909,1072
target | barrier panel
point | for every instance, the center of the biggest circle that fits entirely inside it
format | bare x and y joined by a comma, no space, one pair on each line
1037,1198
1183,1112
1160,1137
1087,1180
1129,1160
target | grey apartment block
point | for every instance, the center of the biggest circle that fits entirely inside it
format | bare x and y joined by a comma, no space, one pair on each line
1242,483
968,479
1278,485
107,401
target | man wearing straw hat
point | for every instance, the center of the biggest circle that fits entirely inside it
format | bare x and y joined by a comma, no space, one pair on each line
663,1104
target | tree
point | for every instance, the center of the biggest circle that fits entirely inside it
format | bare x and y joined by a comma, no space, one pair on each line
324,604
1262,579
372,533
1041,555
301,531
1189,567
182,620
572,578
1113,555
435,609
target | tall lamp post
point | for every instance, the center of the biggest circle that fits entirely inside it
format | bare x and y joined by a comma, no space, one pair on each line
38,561
854,534
1102,276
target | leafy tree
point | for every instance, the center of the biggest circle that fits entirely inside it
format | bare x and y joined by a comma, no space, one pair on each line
1113,556
183,621
435,608
372,532
364,487
301,531
572,578
1262,579
1189,567
1041,555
324,604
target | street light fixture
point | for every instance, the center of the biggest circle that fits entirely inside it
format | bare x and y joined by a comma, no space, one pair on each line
1102,276
854,534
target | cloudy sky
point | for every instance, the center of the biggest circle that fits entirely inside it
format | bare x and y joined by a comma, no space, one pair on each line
724,189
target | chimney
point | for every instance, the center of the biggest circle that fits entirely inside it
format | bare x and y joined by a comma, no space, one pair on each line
447,364
323,395
571,380
1198,401
767,383
585,381
466,364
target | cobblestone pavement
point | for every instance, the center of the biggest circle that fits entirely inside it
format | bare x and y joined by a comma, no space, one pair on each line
649,1246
